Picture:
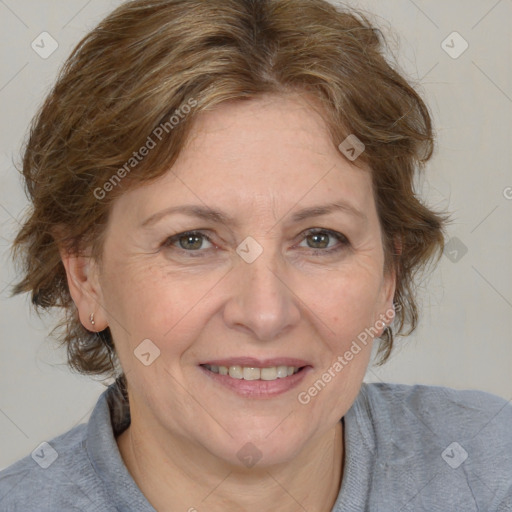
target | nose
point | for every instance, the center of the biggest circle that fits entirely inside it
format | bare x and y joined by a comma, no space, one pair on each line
262,303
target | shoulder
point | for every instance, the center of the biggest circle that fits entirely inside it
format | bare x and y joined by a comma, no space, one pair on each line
457,443
441,408
57,475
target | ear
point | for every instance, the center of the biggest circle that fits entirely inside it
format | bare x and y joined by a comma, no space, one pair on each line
82,276
386,311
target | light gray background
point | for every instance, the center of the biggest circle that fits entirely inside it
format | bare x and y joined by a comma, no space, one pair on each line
464,340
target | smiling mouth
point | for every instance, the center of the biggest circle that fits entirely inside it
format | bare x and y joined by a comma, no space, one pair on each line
253,373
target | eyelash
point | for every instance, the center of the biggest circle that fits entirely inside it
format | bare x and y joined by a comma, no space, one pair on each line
344,242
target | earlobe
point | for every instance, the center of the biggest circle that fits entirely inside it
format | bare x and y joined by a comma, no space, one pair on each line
85,290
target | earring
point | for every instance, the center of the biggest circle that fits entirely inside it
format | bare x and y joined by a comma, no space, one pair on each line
91,318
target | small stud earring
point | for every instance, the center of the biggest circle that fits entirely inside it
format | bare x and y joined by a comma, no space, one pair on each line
91,318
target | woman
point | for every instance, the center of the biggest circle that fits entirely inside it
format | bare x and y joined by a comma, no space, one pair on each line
223,206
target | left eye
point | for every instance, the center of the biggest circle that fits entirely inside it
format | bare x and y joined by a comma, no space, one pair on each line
320,238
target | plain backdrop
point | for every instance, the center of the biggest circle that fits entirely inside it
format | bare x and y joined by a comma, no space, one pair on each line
465,336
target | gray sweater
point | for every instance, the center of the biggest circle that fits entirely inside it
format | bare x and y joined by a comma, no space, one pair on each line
407,448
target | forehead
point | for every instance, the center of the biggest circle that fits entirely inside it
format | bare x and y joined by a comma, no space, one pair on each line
273,152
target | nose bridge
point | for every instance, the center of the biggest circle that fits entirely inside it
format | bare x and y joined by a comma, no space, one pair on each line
261,302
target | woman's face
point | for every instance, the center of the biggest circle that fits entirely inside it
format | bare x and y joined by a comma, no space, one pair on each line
252,287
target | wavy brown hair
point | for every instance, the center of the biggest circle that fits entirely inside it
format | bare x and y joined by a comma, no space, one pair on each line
148,59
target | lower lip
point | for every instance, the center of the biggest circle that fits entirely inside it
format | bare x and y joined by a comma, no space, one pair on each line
258,388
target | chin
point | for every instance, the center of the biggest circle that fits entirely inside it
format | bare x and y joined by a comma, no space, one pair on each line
254,449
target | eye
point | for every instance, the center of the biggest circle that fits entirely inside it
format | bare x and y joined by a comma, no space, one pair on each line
318,239
189,241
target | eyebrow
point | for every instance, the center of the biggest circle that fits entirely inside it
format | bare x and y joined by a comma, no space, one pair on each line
317,211
210,214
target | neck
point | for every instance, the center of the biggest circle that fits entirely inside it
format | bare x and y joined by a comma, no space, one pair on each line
175,474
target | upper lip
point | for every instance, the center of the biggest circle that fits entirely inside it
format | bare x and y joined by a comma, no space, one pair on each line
253,362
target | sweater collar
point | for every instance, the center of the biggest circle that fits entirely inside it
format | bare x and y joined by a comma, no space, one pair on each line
110,417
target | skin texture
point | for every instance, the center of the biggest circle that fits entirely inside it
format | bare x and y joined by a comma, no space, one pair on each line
259,161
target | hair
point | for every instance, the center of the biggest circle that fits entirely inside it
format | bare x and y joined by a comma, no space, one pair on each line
127,80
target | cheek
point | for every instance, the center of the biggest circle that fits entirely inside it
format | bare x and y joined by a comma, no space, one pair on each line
343,311
345,301
148,301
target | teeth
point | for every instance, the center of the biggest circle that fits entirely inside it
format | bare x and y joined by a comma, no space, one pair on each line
270,373
236,372
251,373
282,371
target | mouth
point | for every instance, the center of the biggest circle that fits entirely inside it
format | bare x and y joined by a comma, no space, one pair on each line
268,373
251,378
